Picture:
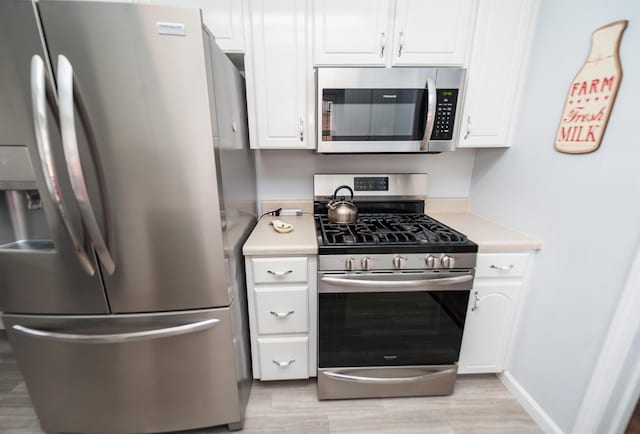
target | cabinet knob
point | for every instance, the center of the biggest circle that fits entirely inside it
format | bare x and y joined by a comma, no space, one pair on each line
401,43
466,135
301,130
476,299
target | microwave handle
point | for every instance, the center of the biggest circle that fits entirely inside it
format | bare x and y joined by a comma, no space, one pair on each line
431,113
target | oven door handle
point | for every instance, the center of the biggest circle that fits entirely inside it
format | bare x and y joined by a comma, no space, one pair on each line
408,285
366,379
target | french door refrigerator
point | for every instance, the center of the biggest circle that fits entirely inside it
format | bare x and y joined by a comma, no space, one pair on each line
127,189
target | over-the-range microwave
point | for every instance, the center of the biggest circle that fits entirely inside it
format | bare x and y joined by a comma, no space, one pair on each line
389,110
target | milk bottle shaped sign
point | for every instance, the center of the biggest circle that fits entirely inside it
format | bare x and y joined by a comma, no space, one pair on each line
592,93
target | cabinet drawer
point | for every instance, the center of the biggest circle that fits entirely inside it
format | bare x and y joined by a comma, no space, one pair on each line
282,311
501,264
279,270
283,358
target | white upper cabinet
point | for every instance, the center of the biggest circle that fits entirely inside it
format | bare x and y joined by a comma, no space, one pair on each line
222,17
351,32
432,32
279,75
391,33
499,55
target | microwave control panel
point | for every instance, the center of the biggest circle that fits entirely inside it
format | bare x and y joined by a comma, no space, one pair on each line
446,102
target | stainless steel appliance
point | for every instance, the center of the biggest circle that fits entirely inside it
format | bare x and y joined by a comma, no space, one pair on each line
393,290
389,109
126,192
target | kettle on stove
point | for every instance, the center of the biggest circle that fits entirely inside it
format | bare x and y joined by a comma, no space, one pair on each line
341,210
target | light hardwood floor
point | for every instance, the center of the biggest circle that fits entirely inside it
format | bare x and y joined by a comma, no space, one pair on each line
480,404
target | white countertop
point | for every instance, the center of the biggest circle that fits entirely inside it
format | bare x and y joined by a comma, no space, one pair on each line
265,241
490,237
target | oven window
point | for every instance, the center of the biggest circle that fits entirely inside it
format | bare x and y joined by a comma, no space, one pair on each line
373,114
390,328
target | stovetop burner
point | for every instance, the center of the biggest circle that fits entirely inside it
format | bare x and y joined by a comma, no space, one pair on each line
387,232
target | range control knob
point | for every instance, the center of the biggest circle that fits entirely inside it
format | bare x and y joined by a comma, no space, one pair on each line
350,264
448,261
432,261
366,263
398,262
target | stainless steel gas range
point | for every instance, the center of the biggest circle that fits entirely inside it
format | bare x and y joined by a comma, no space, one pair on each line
393,289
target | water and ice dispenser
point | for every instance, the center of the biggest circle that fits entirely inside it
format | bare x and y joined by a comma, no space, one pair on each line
23,225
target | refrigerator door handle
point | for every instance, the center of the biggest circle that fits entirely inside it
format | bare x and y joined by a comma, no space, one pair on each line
74,165
117,337
40,90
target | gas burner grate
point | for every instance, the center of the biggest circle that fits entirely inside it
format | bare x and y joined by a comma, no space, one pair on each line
388,229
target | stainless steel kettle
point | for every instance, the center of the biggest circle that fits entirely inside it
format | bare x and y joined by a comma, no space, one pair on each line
340,210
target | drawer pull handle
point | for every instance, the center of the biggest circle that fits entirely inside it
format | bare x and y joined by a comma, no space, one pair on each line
281,314
502,267
284,364
279,273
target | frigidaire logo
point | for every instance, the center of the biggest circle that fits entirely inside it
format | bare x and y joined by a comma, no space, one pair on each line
390,357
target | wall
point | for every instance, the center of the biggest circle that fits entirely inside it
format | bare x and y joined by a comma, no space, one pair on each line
289,174
586,208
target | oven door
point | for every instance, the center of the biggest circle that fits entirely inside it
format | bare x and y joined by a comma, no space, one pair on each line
392,319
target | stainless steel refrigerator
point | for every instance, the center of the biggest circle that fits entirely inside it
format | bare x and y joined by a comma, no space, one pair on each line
127,189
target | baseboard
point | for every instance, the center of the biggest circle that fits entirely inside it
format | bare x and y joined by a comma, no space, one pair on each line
536,412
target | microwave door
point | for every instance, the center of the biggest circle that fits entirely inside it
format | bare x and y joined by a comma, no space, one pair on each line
389,110
373,120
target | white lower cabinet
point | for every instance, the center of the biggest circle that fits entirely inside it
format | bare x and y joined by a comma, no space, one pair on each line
494,303
282,298
283,358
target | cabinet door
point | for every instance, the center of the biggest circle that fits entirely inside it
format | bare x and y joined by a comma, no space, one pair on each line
432,32
222,17
496,71
488,326
353,32
278,75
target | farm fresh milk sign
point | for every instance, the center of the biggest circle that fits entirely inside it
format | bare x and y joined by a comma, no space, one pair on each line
592,93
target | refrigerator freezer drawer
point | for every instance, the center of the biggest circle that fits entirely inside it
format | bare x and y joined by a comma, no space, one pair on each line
128,373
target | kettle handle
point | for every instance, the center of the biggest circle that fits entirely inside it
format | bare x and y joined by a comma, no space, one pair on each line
335,193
